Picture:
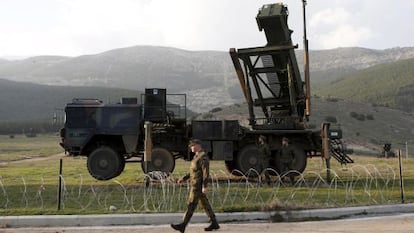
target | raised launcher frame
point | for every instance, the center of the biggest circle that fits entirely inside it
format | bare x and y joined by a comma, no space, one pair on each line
270,80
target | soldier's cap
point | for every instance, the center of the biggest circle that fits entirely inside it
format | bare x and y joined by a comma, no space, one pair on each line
285,139
194,142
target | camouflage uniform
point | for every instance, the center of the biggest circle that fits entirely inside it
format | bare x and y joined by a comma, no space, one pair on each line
286,157
264,156
199,175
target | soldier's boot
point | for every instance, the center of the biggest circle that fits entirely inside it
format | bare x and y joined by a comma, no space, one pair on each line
179,227
214,224
188,214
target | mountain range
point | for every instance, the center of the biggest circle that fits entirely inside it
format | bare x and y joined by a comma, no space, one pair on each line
346,82
207,77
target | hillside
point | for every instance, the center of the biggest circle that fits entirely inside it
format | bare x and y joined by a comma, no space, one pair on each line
329,65
390,84
207,77
22,101
135,68
132,68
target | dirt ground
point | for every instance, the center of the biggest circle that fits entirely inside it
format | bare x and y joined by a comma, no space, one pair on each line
403,223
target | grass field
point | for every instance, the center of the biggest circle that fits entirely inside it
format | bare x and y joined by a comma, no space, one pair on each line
21,147
31,186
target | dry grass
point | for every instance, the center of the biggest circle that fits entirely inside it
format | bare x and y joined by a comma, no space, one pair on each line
21,147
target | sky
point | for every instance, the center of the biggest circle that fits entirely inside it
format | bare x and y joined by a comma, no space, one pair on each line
80,27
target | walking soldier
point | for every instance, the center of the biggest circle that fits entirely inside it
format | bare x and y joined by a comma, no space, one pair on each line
199,175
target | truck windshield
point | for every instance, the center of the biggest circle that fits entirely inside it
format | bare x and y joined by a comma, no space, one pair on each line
112,117
77,117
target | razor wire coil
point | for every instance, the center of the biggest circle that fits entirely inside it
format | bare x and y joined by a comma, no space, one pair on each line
357,185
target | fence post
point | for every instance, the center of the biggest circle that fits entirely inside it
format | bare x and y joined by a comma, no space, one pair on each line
401,177
59,198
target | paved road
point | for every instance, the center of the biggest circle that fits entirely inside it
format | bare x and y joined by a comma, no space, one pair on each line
402,223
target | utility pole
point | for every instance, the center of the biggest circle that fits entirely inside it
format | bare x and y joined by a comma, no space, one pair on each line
306,64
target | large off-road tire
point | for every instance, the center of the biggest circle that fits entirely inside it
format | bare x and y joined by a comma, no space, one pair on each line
104,163
300,160
248,158
299,163
161,160
121,167
231,166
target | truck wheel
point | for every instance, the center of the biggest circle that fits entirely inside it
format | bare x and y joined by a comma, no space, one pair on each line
231,166
161,160
104,163
121,167
299,163
248,159
300,160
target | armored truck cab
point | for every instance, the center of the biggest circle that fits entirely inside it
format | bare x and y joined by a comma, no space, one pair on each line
90,122
107,134
112,134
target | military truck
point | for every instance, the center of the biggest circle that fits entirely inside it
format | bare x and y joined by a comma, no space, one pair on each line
278,104
110,135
